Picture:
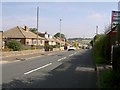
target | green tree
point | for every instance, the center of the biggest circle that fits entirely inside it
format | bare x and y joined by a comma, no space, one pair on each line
58,35
34,30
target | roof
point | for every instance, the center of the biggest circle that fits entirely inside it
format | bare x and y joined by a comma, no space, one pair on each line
19,32
50,39
112,30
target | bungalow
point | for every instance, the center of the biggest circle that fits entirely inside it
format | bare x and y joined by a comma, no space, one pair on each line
61,40
23,35
48,38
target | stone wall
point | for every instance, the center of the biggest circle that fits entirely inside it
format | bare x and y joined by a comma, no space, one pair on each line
24,52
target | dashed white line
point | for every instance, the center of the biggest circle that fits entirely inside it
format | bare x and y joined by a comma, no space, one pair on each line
64,57
75,53
71,55
61,58
37,69
33,57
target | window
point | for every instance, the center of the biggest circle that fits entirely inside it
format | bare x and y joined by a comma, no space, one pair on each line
41,41
34,41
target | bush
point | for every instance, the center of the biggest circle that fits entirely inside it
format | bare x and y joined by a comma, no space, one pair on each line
14,45
105,77
101,49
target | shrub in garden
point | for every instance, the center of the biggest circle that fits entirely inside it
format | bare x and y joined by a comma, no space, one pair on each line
14,45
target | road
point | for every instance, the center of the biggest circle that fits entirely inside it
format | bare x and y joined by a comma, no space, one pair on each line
65,69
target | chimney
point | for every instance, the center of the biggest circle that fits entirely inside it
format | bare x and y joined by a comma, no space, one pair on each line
26,29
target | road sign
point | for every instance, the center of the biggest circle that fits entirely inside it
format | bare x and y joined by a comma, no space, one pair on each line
115,18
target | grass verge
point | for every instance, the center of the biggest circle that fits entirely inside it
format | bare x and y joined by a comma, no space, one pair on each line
105,77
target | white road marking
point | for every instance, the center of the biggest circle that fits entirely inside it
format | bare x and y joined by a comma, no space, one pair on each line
75,53
84,69
61,58
71,55
33,57
37,69
64,57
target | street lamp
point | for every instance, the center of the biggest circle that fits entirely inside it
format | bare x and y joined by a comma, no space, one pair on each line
60,32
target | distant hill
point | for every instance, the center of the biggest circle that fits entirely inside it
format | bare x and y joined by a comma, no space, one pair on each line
79,39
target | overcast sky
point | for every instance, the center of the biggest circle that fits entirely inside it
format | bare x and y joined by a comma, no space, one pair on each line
79,19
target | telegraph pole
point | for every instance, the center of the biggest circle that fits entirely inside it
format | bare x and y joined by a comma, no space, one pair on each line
37,23
60,32
96,30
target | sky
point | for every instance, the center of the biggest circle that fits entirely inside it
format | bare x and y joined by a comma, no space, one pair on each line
79,19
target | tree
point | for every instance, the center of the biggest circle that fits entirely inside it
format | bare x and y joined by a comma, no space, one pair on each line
34,30
58,35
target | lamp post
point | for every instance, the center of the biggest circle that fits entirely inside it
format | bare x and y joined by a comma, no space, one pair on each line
60,33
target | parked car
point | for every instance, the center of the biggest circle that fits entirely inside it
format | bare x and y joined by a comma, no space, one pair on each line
71,48
88,47
85,46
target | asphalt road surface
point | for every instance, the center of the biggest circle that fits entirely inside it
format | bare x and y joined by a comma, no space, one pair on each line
65,69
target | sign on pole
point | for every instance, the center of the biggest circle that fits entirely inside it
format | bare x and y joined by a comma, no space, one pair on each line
115,18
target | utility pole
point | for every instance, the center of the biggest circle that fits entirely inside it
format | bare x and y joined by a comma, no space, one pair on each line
96,30
60,32
37,23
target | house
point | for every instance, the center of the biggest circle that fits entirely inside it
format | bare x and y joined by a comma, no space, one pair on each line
48,38
23,35
52,41
61,41
112,35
